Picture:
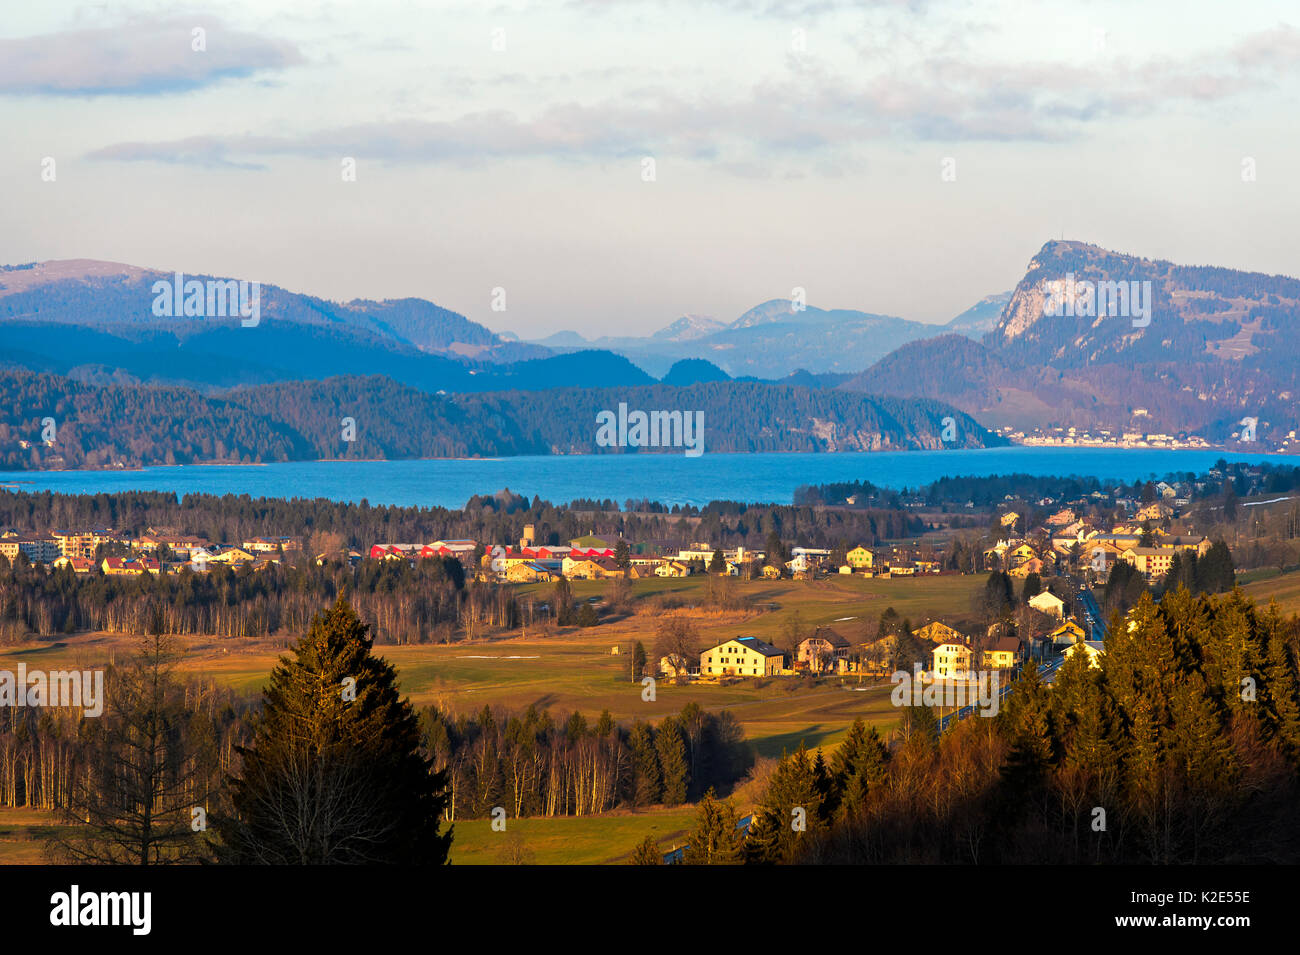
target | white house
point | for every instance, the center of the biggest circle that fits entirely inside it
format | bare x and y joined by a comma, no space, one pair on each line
1049,604
951,660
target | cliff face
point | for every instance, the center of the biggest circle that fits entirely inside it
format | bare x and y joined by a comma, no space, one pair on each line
1088,336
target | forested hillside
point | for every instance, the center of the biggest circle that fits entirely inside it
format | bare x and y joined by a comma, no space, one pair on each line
377,418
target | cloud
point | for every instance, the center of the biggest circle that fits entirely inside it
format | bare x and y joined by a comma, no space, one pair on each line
778,9
137,58
809,110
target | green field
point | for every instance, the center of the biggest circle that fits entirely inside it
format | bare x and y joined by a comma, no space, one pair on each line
568,840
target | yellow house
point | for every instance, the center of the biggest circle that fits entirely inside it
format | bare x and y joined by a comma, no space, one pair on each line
770,572
1154,562
1003,654
860,558
232,555
1023,553
743,656
673,568
1048,603
1067,633
1033,566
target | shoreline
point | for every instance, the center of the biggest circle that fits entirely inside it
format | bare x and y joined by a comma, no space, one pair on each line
671,453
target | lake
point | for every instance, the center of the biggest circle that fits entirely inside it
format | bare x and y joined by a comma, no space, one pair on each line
670,478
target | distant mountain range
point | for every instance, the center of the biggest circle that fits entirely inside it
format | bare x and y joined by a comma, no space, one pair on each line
773,340
1217,346
1214,347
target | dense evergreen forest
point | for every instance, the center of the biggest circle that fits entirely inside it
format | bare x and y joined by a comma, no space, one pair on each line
117,425
1182,747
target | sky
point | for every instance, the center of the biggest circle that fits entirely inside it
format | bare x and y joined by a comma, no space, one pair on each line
615,164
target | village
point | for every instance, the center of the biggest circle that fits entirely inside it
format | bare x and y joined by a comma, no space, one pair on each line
1052,563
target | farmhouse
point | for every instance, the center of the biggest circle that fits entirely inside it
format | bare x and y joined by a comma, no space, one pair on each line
677,667
860,558
743,656
823,650
533,570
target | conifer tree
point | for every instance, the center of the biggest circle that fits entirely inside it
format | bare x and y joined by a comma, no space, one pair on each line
789,812
672,761
334,773
647,853
1028,721
715,840
1283,700
647,784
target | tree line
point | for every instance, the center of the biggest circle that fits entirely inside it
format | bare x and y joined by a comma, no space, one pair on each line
1181,746
532,764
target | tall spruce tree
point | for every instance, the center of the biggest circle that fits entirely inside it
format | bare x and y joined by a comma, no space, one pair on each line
647,782
789,812
673,766
334,773
715,839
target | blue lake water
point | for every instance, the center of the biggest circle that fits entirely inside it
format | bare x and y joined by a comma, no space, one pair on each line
670,478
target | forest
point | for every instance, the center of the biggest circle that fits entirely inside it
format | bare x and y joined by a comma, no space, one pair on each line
1181,747
129,425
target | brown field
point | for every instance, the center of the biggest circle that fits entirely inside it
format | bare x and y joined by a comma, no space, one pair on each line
1284,588
573,669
